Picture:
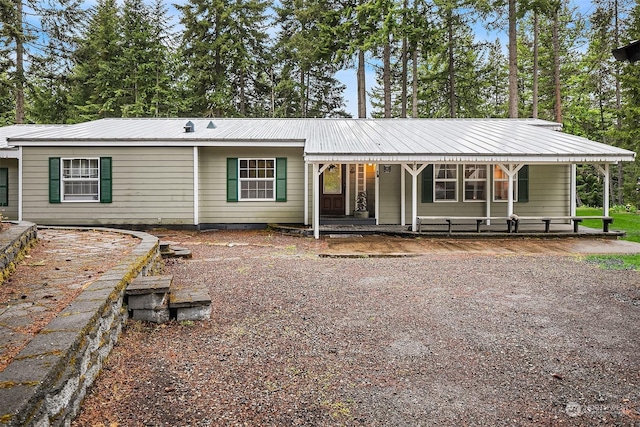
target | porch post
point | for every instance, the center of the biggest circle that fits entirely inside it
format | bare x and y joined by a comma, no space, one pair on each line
20,202
306,193
347,191
573,191
414,171
403,199
196,189
605,183
377,192
488,194
316,201
511,170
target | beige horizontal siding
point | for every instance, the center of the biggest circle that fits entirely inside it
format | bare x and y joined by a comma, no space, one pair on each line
214,207
149,185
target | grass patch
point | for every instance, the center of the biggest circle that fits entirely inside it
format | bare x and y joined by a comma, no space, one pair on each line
629,222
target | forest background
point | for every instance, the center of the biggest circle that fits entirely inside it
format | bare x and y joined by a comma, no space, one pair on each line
63,61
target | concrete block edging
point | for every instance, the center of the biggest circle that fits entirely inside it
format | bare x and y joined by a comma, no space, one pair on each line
46,382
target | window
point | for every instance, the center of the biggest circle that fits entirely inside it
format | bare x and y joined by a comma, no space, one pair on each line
4,187
475,183
261,179
445,182
80,180
257,179
501,185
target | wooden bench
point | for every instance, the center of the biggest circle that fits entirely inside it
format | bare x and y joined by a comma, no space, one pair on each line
459,220
606,220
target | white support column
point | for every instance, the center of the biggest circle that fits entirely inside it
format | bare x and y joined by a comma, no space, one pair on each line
347,190
488,194
573,191
376,170
604,170
414,170
196,188
403,199
316,201
20,201
605,202
306,193
511,169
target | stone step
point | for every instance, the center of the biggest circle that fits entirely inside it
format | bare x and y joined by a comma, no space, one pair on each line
190,303
170,250
157,299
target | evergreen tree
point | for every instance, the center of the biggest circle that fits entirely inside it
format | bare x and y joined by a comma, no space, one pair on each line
223,57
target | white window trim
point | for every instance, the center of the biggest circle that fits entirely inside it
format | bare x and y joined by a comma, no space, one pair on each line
506,179
436,180
241,180
465,180
63,180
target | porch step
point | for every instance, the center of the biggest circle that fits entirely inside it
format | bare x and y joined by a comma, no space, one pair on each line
157,299
346,220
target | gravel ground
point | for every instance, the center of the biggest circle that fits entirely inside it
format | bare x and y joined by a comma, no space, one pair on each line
438,339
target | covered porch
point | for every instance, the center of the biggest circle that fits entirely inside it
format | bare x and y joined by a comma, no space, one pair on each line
489,170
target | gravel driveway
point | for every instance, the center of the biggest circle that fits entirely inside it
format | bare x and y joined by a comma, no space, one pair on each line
437,339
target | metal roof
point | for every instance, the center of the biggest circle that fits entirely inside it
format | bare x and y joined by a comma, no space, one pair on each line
350,140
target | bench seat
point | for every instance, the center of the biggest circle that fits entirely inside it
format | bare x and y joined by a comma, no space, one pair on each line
451,220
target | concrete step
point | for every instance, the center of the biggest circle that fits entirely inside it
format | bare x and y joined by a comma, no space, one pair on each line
170,250
157,299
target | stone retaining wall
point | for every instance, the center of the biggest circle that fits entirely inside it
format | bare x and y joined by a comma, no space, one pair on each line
15,241
46,383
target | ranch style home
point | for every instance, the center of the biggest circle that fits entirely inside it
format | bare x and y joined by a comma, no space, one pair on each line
228,173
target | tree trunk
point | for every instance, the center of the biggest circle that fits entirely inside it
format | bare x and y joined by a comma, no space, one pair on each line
556,67
303,112
405,60
386,78
452,71
414,95
19,80
616,41
513,62
534,95
362,88
404,80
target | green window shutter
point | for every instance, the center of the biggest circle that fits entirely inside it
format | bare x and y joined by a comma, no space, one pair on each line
105,180
54,179
427,184
4,187
232,179
523,184
281,179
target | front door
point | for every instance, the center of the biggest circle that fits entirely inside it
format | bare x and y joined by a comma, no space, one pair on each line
332,186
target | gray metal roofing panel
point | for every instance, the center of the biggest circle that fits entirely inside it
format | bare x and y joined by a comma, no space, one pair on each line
377,138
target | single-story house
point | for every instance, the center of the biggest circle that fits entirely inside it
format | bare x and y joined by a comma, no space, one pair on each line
228,172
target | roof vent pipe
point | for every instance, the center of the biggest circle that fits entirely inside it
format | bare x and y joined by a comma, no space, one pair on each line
211,125
189,127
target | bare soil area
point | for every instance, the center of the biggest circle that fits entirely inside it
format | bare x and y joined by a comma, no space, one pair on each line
444,338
